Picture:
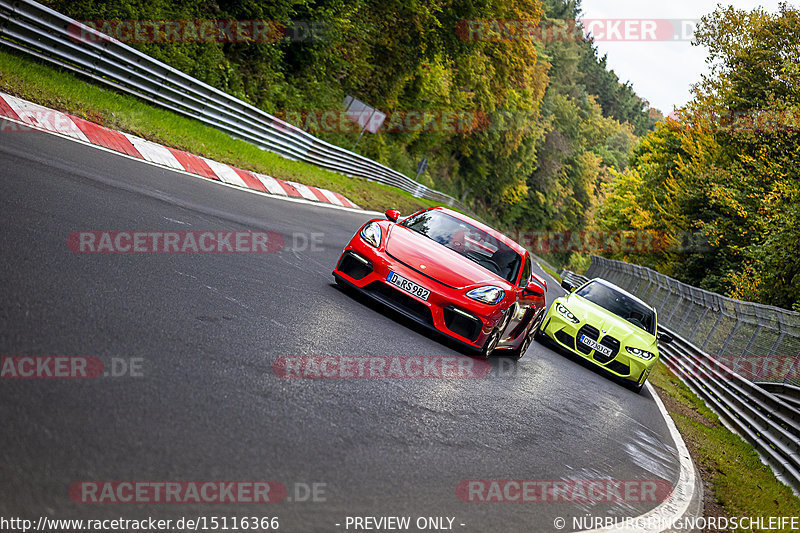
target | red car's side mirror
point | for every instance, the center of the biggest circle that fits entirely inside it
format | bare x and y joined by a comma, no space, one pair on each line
534,289
392,214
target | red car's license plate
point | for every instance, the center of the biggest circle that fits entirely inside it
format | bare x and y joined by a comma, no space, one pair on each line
409,286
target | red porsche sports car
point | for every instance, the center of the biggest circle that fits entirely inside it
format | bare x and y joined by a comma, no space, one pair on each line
450,273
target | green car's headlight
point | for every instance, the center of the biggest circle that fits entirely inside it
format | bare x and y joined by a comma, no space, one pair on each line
562,309
644,354
488,295
372,234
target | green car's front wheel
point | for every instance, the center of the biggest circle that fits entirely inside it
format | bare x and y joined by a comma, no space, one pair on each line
637,387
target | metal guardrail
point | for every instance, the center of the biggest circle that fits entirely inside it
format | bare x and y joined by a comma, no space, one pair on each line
760,342
762,414
34,29
770,424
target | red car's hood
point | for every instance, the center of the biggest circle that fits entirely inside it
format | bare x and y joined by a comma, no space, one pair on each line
435,260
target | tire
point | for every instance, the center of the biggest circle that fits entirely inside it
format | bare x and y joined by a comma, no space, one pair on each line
491,343
517,353
636,387
526,343
538,335
494,337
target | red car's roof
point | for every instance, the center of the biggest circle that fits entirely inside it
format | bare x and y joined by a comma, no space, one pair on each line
480,225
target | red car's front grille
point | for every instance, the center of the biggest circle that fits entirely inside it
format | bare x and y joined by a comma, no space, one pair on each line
407,303
468,328
353,267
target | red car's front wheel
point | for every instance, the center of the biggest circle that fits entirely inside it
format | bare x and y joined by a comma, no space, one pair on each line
536,321
491,343
494,337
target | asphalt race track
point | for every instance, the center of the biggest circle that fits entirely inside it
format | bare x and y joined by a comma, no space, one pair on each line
205,329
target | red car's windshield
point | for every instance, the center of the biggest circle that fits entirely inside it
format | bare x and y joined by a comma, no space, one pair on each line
469,241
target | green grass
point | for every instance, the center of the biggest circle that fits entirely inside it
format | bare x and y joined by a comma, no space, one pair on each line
741,483
27,78
552,273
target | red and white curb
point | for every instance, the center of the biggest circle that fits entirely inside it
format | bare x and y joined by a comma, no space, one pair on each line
43,118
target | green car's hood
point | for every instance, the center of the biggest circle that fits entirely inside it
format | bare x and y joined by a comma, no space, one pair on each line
609,323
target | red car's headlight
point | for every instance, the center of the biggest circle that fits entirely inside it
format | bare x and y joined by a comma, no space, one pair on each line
371,233
487,295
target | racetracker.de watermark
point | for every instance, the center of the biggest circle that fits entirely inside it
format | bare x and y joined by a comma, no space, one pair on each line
735,121
572,490
754,368
210,492
196,31
607,241
184,242
401,121
381,367
69,367
570,30
42,118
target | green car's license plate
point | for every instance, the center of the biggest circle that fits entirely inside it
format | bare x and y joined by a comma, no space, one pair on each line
596,346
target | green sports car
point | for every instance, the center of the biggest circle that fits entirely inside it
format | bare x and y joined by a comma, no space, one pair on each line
608,326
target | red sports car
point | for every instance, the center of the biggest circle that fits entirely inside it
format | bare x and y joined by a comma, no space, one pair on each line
450,273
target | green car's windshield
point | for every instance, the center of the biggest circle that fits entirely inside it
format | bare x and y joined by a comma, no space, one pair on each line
469,241
620,304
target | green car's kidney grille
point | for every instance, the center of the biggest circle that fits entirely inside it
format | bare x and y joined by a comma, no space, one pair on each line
594,334
609,342
591,332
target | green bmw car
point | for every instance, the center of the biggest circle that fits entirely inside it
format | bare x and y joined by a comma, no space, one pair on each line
607,326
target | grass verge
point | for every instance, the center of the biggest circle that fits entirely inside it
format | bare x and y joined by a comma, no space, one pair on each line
738,483
551,272
32,80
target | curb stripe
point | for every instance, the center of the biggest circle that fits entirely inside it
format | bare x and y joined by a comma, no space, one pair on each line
318,193
331,197
345,201
193,164
43,118
290,190
154,152
270,183
251,181
106,137
304,191
6,110
225,173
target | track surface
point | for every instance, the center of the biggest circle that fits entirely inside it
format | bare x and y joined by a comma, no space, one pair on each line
208,406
